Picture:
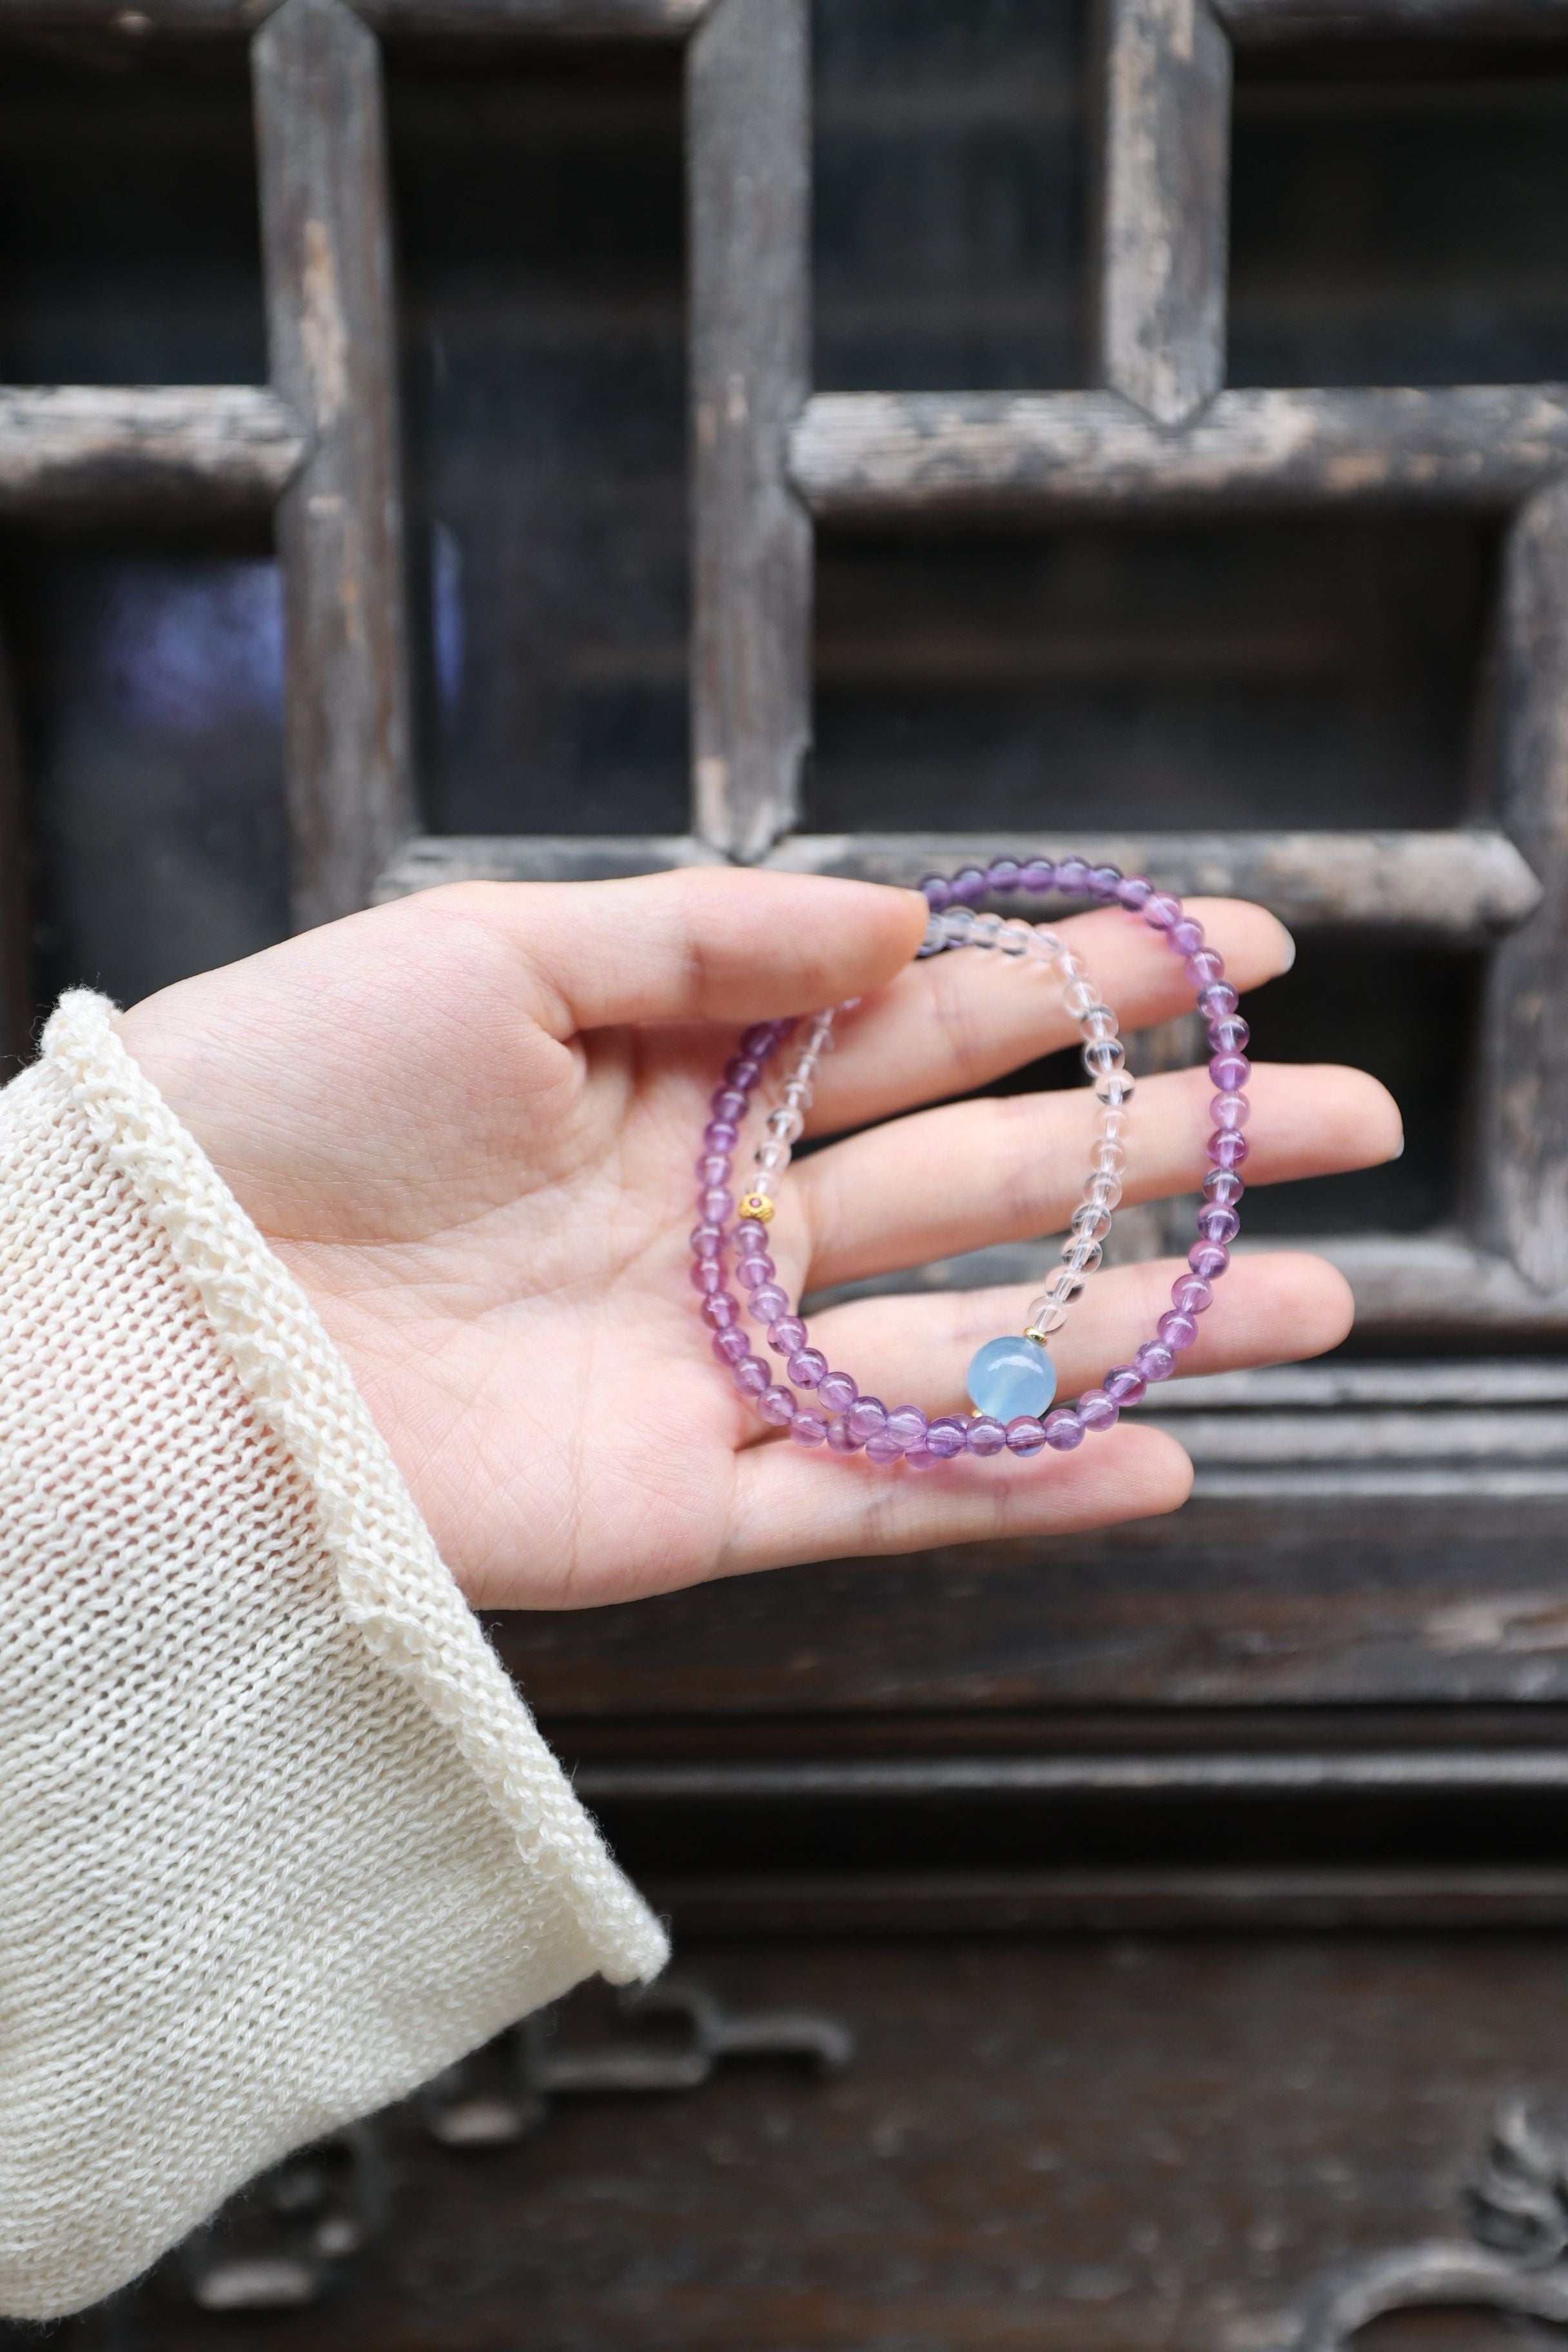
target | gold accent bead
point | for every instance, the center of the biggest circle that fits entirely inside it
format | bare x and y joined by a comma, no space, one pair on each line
757,1205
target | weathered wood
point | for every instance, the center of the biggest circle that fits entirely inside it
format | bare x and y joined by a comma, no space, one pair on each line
1523,1175
1162,205
1456,886
86,452
873,456
1451,1773
456,19
16,930
1270,24
325,225
749,166
1042,2145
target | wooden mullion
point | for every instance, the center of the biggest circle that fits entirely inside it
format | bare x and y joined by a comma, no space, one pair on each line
1162,205
871,457
91,451
1522,1172
659,20
749,280
1278,23
326,236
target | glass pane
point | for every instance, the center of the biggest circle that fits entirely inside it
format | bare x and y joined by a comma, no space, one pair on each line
541,223
150,694
133,247
949,194
1399,226
1289,671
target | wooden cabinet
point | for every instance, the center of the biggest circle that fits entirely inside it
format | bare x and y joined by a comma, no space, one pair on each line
853,442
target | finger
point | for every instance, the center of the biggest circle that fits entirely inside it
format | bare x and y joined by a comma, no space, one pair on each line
708,943
1007,1169
958,1020
1276,1307
791,1505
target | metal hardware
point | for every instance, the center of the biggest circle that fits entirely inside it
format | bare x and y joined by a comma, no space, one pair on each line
285,2239
1518,2208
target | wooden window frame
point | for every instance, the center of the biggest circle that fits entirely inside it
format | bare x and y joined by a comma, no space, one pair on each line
1161,434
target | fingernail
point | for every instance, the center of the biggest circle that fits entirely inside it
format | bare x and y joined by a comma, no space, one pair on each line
1289,954
1398,1152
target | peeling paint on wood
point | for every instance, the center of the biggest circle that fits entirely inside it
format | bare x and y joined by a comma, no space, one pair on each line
873,456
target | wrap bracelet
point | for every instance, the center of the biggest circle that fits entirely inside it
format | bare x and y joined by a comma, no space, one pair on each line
1004,1371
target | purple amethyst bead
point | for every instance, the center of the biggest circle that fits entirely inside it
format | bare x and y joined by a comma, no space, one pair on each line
837,1392
1227,1147
731,1346
968,887
1208,1260
743,1072
715,1204
947,1437
1072,875
777,1405
1228,1033
1064,1430
1191,1295
1202,967
1003,873
1229,1110
1134,893
707,1240
729,1104
707,1276
1026,1435
760,1040
906,1425
1186,936
785,1334
883,1449
769,1303
720,1134
1103,884
714,1168
1224,1185
938,895
721,1310
1230,1072
1155,1361
751,1241
1161,910
1124,1386
986,1436
807,1427
841,1438
868,1417
754,1270
1097,1411
1216,1001
752,1376
1217,1224
806,1365
920,1457
1037,874
1178,1332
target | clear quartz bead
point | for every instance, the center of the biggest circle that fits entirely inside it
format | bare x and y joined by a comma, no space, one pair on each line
1046,946
1108,1157
786,1124
1114,1088
1103,1189
1045,1316
1015,939
1091,1222
1099,1023
1063,1286
772,1155
985,930
1081,1257
1079,997
1103,1059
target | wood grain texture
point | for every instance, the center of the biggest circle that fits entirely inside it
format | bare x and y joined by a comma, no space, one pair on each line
1076,2144
1162,205
326,236
1459,886
873,456
87,452
1523,1080
749,166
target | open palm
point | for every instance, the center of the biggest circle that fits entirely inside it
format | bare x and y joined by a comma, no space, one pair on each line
468,1122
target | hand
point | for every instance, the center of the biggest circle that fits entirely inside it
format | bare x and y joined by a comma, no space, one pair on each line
467,1121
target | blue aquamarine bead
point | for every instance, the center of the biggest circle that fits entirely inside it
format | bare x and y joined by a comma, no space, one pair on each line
1008,1377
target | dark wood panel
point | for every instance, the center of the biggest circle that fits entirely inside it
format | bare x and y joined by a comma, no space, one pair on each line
1079,2144
1268,23
327,238
485,19
81,453
872,457
1392,1602
16,915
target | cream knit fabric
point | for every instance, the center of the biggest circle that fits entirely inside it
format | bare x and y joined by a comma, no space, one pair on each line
278,1839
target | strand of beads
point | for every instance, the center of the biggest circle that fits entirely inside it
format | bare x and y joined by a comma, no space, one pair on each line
852,1421
728,1107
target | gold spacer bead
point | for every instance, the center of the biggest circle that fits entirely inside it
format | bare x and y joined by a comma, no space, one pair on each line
1041,1339
758,1206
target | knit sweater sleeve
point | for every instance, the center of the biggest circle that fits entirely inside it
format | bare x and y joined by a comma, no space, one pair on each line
278,1839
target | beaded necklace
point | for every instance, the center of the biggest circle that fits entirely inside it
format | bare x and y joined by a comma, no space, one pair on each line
1011,1378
